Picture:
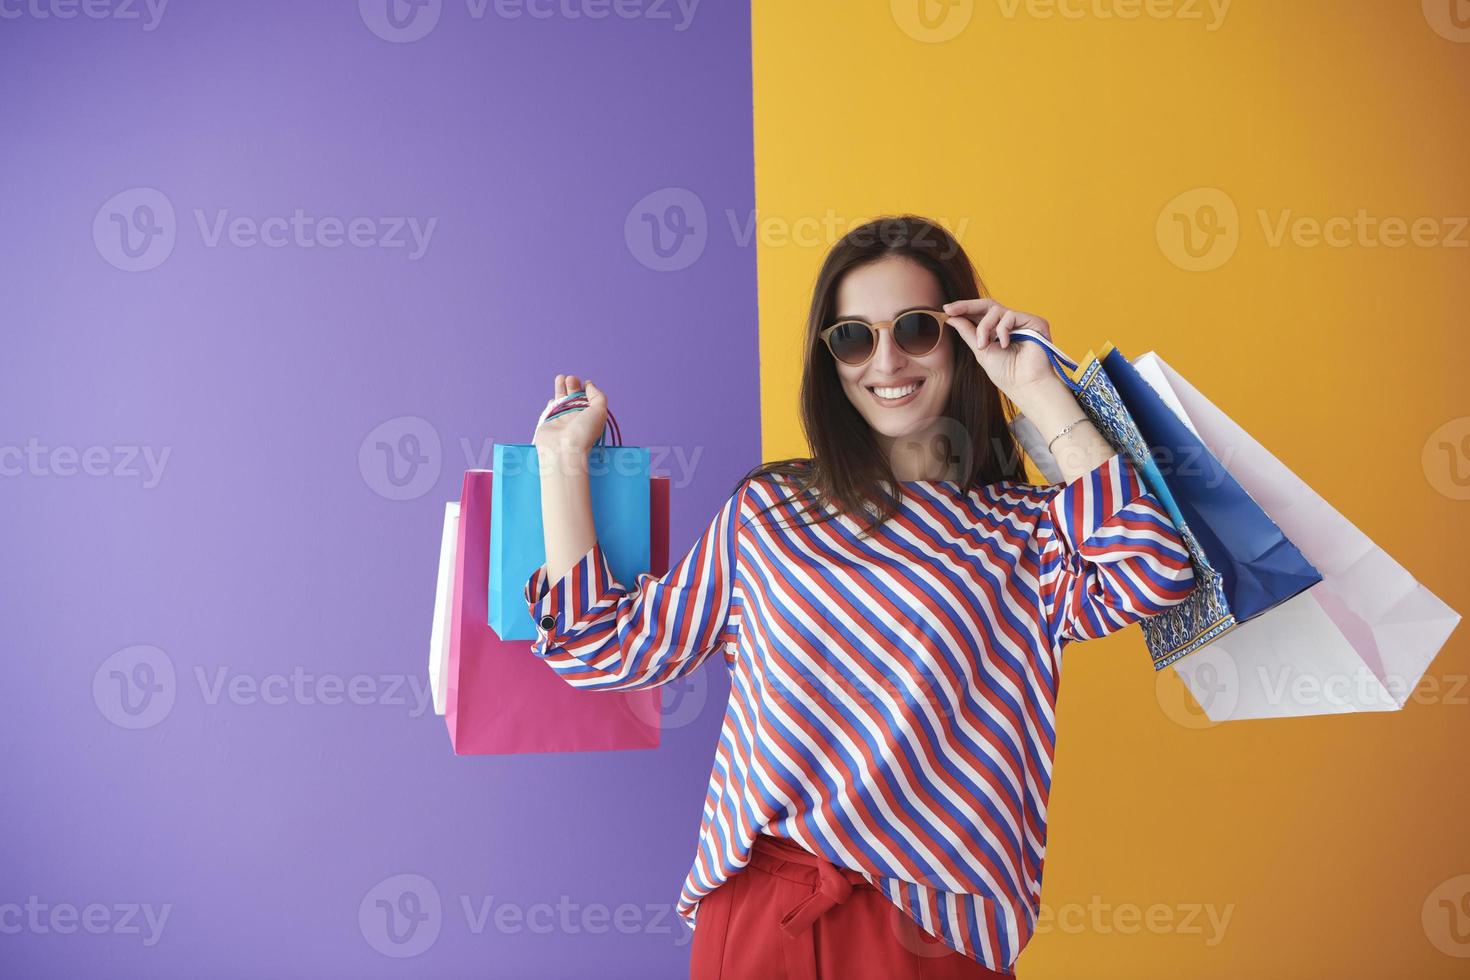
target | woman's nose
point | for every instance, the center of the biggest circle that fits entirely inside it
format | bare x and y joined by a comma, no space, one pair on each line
889,357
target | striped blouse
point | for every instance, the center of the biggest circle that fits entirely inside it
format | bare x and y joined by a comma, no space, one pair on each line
891,699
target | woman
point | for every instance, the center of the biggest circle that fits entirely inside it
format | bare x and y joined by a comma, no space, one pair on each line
893,612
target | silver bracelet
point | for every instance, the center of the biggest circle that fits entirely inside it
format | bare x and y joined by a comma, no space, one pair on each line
1065,431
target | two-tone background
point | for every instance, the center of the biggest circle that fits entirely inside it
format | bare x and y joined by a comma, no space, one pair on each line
273,274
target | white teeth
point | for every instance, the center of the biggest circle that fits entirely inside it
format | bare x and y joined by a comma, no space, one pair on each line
896,392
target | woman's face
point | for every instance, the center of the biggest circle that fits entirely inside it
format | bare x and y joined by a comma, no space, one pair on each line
876,291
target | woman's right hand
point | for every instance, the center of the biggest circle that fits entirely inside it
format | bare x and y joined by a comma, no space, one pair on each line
575,431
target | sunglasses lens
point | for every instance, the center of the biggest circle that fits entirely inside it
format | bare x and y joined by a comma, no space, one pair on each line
851,342
917,333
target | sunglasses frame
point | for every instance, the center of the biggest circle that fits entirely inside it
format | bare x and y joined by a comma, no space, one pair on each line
826,334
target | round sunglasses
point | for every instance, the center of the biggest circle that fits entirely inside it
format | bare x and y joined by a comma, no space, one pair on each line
916,332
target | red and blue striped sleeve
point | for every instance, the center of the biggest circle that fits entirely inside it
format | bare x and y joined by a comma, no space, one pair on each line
1109,554
598,633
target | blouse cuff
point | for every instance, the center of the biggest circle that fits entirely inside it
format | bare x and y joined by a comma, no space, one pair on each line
1090,501
560,608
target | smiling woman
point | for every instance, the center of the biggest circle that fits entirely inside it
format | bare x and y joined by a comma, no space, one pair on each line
890,394
904,381
883,768
876,328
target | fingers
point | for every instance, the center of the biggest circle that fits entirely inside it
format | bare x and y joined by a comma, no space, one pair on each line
567,384
969,307
991,321
966,330
985,329
1004,327
1030,322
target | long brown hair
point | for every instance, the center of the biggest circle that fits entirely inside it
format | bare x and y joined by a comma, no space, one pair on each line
847,467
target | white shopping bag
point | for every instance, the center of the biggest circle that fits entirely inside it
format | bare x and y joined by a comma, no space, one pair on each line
1359,640
443,608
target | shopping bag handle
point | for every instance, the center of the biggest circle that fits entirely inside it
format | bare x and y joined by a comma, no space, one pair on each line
1063,365
575,401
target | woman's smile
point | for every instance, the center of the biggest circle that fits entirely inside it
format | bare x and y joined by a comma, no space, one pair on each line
897,393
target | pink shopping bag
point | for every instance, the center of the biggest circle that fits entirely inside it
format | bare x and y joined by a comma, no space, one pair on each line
501,700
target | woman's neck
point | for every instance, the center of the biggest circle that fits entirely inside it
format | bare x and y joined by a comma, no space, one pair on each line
912,457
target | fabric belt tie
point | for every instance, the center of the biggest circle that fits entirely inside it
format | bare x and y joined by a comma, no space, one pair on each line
833,887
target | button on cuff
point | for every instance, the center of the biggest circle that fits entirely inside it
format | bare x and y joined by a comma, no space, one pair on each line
548,622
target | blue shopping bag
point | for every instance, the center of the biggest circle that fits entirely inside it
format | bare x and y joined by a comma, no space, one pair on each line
1260,566
619,481
1244,563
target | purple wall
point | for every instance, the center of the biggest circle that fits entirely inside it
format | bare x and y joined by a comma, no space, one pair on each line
192,500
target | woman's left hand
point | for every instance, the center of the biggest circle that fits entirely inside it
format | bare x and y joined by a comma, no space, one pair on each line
986,326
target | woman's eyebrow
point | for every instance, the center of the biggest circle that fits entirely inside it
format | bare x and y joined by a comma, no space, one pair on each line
906,309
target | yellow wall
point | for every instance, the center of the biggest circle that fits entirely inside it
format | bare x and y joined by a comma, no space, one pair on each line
1058,148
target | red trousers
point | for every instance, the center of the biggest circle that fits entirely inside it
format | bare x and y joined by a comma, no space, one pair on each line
791,914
